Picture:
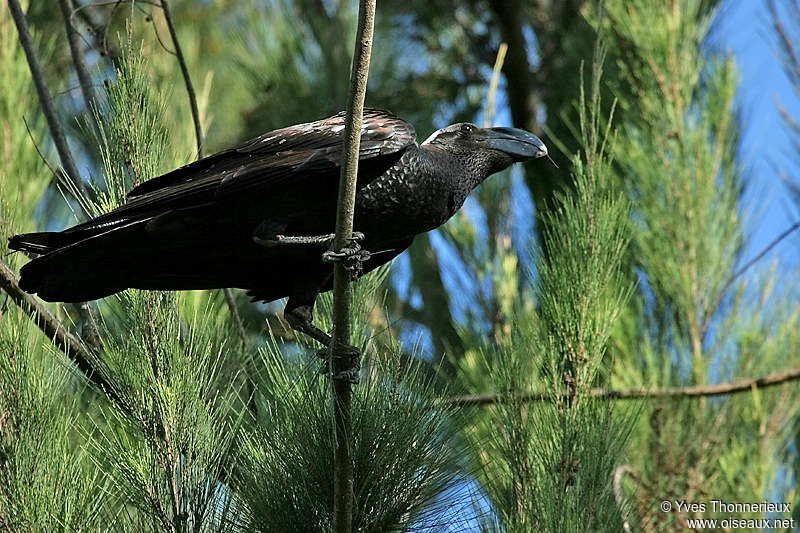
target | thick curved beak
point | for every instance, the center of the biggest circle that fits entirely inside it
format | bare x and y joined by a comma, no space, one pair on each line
515,142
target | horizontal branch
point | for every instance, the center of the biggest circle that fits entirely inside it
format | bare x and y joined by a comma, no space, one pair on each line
68,343
718,389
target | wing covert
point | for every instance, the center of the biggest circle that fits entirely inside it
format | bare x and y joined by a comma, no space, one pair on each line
278,155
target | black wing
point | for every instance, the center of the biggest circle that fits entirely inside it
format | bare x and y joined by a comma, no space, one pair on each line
260,166
278,155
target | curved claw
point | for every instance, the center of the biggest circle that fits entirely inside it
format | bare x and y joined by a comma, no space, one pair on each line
349,353
351,255
350,376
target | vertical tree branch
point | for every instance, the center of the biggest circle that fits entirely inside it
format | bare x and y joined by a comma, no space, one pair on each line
198,129
74,185
342,392
84,79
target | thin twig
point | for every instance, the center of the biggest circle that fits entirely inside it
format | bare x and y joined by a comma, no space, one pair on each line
53,171
736,275
698,391
161,43
68,343
342,298
237,319
198,129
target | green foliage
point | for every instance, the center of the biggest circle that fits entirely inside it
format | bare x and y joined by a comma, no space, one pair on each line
692,321
47,480
581,287
549,465
134,144
286,475
209,433
23,174
166,440
285,470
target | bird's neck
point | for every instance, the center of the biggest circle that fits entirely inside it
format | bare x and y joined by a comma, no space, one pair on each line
466,171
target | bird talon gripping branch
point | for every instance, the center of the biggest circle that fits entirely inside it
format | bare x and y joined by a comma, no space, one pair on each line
349,376
351,255
351,355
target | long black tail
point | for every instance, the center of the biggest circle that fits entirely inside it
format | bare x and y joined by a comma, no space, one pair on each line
83,264
37,243
73,268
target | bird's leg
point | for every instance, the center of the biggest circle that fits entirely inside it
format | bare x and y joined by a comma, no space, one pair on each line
352,255
269,239
300,317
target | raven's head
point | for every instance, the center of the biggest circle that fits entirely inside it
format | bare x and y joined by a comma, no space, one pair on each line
499,147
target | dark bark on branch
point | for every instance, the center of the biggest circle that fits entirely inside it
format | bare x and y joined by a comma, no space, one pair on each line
78,61
198,129
718,389
342,393
68,343
73,183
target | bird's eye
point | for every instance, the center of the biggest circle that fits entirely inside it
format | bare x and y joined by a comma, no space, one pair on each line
466,128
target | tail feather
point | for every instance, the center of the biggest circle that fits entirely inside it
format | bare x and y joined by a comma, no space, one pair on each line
37,243
68,271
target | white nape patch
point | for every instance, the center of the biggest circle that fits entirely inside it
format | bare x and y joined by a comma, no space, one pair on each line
448,129
337,129
433,136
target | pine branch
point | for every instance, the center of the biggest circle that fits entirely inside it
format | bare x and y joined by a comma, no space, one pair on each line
698,391
342,298
73,183
71,345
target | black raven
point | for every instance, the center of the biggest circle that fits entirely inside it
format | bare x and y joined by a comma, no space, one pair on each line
250,217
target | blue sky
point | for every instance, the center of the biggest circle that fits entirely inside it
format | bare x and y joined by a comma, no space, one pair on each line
744,29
